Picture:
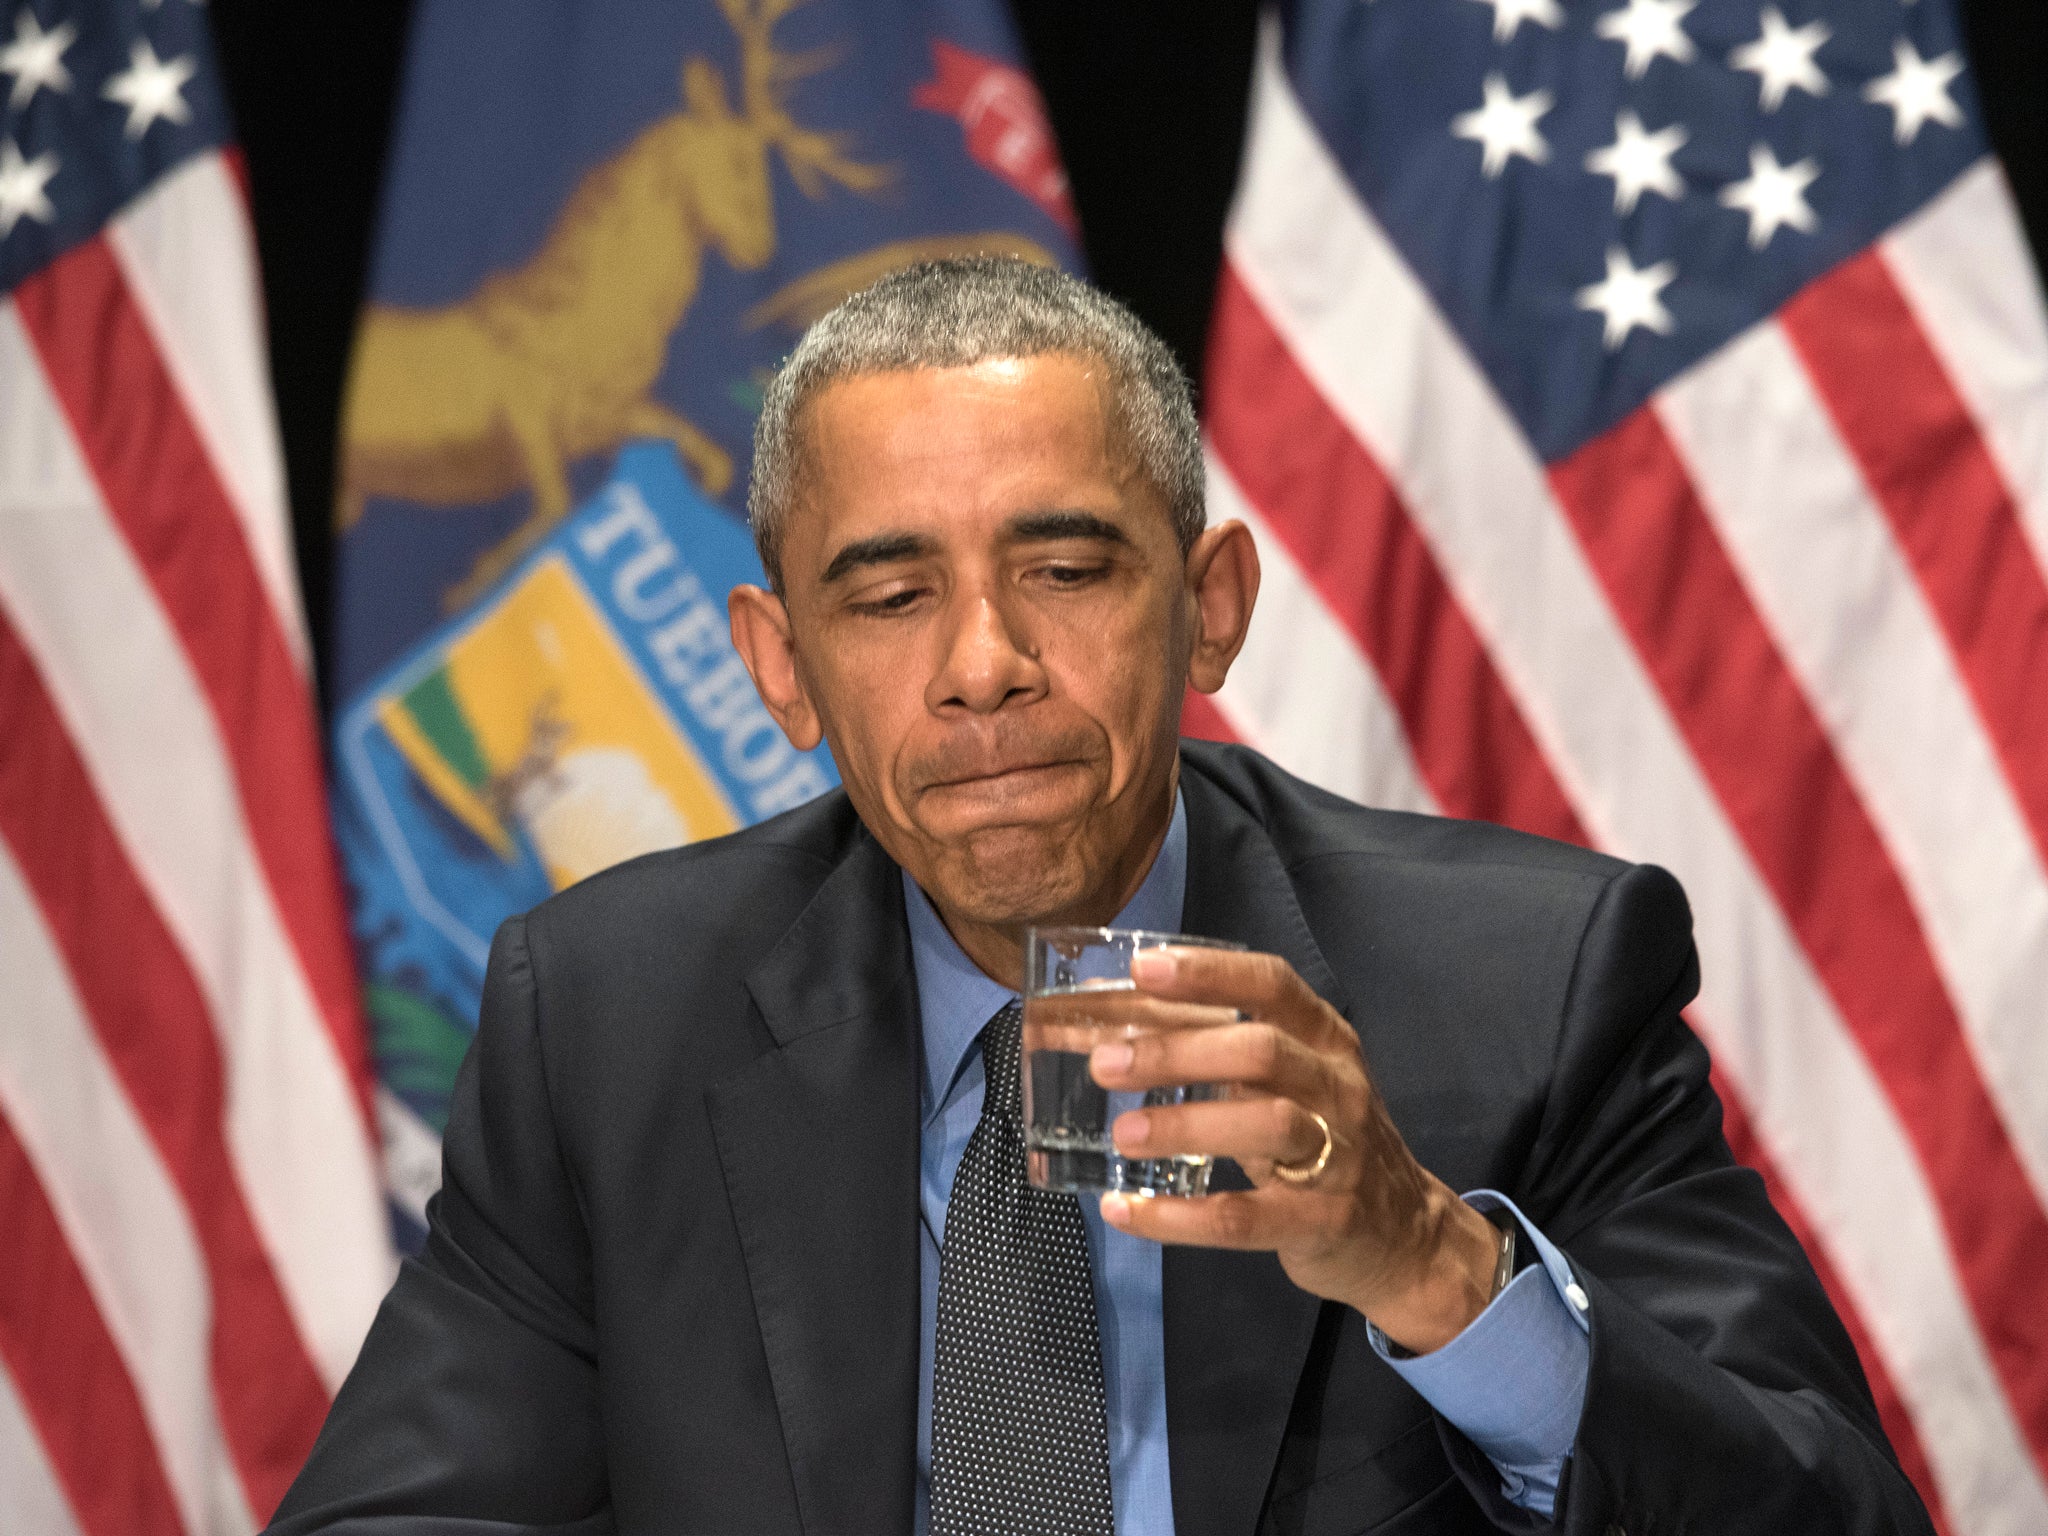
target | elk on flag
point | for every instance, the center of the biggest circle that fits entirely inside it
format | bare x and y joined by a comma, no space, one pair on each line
1642,409
192,1235
604,225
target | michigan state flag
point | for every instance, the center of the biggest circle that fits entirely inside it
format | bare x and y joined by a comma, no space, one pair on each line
604,224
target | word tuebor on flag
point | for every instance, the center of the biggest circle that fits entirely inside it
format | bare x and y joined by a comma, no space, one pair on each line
1642,410
192,1235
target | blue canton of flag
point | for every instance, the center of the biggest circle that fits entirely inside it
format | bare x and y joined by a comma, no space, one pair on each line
101,100
1599,195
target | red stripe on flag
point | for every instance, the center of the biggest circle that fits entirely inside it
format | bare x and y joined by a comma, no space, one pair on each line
1201,719
69,1373
237,165
1775,772
1329,502
1949,506
168,500
1891,1407
151,1019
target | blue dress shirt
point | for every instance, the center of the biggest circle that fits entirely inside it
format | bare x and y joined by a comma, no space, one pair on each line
1513,1382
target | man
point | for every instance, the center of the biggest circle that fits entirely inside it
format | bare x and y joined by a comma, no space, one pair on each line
734,1235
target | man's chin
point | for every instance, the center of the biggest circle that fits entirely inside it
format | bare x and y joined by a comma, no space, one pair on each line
1012,875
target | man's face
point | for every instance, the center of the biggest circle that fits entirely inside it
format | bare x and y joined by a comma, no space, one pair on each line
991,620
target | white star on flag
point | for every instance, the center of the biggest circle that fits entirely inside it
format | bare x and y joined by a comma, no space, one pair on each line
1640,162
36,58
1917,91
1505,125
150,88
21,187
1508,16
1627,297
1782,57
1649,28
1773,196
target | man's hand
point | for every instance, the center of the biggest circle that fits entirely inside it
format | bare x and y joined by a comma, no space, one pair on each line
1374,1229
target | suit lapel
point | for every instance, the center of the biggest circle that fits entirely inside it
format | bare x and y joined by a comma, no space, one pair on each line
818,1141
1237,1329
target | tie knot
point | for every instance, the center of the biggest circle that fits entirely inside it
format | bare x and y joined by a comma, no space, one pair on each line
1002,1044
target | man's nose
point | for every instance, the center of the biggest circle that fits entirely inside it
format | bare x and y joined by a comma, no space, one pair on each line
989,660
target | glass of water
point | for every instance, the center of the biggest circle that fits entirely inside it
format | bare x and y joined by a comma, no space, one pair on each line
1078,994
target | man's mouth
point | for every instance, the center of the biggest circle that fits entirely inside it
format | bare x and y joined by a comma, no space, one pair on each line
996,775
1007,782
1025,774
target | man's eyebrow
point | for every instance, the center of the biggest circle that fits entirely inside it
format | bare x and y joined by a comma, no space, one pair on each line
881,549
1035,527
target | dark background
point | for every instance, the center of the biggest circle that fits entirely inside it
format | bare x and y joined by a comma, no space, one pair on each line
1147,98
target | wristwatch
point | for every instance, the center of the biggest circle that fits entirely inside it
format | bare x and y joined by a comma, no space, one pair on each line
1514,1257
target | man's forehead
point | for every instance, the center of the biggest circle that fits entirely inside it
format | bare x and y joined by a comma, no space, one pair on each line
1054,383
997,431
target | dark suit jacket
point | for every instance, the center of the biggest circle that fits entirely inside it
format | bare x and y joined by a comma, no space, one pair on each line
672,1278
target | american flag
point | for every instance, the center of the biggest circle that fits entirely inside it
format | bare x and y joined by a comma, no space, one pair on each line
1642,410
191,1236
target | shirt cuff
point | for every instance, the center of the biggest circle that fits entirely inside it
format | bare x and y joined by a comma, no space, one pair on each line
1514,1382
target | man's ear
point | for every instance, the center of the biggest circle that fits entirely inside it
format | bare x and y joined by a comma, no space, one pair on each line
1223,581
760,632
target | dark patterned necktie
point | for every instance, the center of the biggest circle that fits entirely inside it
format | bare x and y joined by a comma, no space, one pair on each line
1020,1436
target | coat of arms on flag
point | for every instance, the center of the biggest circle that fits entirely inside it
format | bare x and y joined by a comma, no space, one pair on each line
590,708
593,252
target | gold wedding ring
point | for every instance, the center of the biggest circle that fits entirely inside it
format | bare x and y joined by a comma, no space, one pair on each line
1301,1173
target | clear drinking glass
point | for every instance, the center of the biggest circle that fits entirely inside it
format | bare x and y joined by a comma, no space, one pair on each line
1078,994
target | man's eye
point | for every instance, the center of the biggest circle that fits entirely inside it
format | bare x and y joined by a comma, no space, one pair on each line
1071,575
893,602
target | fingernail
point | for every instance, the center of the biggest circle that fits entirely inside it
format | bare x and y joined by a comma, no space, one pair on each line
1132,1130
1114,1059
1152,966
1116,1210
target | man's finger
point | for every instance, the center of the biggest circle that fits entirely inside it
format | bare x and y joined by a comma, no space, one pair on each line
1263,1130
1259,1055
1258,985
1114,1012
1243,1219
1076,1021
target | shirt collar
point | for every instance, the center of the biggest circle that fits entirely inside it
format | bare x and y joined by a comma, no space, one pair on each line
956,997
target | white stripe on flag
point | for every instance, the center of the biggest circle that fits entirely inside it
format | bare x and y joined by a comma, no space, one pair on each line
122,1216
1788,501
1964,265
120,678
188,253
1300,691
1362,327
29,1491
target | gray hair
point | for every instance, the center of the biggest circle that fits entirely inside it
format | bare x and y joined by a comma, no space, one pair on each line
966,310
